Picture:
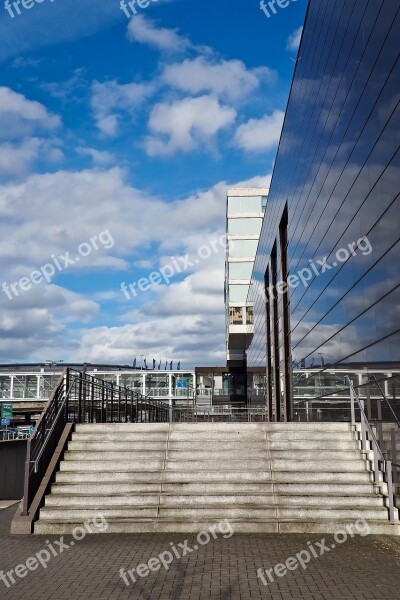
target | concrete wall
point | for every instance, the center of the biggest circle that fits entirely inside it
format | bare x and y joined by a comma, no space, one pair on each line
12,463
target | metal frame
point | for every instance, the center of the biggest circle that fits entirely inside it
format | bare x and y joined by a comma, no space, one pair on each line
381,465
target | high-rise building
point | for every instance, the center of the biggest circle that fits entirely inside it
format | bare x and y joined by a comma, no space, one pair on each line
245,211
326,278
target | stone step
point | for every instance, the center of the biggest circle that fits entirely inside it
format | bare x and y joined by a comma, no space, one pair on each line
307,436
128,445
239,526
209,455
333,489
310,455
145,428
110,489
132,457
98,488
309,427
106,466
212,500
138,437
280,513
116,446
321,466
117,474
223,436
322,445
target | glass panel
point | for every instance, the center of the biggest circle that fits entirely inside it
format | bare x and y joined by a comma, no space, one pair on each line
244,204
236,315
240,270
108,378
249,315
243,248
5,386
249,226
130,381
47,384
238,293
25,386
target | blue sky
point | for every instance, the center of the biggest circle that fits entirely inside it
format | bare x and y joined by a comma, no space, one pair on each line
129,131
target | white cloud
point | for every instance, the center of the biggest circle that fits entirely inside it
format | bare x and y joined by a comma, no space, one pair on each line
22,115
260,134
185,124
144,31
227,78
99,157
17,159
176,323
110,99
294,39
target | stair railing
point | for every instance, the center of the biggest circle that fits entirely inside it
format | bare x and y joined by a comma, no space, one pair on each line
81,398
381,465
394,433
377,382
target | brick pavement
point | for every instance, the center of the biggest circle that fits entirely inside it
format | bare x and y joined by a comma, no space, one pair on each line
361,569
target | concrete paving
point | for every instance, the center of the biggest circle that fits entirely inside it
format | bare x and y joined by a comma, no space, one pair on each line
363,568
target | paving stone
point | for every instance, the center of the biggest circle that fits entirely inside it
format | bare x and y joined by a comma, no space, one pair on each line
225,569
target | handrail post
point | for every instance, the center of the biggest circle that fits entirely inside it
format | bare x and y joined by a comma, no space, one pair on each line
25,500
376,463
363,432
394,454
352,406
389,477
66,388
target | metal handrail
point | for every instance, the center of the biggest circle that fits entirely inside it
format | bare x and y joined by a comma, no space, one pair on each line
386,399
79,397
48,434
377,452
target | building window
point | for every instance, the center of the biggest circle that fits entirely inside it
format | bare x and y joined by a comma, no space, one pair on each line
236,315
249,315
241,270
238,293
249,226
244,204
243,248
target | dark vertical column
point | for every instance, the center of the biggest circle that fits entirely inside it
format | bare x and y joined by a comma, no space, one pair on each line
270,402
275,336
285,300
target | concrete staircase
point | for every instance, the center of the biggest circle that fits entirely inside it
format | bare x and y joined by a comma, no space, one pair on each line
262,477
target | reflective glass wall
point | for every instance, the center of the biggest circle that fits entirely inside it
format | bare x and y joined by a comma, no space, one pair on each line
337,172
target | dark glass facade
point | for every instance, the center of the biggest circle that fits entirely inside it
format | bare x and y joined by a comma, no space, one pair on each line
332,224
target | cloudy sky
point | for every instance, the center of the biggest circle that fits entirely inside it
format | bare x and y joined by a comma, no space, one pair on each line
127,131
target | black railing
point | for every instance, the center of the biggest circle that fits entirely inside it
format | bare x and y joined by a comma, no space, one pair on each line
81,398
43,442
